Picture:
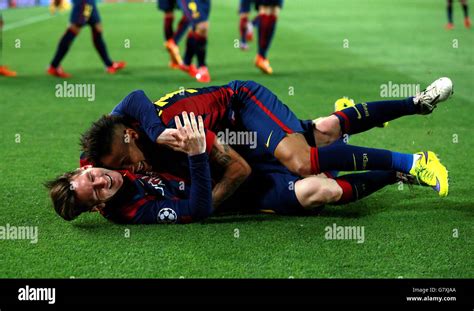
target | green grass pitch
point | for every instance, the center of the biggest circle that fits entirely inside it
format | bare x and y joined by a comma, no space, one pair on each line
408,233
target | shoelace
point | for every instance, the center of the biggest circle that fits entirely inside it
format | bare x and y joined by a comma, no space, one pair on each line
425,173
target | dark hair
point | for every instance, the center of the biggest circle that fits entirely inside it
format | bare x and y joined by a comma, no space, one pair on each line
97,141
61,191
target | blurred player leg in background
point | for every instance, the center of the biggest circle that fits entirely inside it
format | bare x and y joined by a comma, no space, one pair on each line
449,9
268,11
197,12
245,26
172,38
4,71
83,12
467,20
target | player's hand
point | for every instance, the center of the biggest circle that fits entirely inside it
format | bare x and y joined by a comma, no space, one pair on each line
192,135
170,137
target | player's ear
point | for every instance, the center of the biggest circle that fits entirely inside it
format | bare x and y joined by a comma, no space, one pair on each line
97,207
131,133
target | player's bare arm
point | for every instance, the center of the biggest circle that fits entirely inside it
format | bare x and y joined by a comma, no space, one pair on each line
236,170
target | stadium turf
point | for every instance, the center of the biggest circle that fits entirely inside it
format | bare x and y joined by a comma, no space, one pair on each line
408,232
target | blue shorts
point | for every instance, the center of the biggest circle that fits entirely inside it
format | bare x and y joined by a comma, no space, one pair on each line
256,110
166,5
271,189
84,12
196,11
270,3
245,6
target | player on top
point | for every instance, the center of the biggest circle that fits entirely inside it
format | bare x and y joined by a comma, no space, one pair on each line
83,12
172,38
449,8
197,12
305,147
268,11
4,71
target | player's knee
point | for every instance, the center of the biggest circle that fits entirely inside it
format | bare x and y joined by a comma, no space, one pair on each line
328,130
97,28
333,192
329,193
299,166
75,28
201,29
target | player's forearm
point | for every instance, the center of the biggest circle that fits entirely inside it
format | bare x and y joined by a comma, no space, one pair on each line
200,198
138,106
235,171
234,176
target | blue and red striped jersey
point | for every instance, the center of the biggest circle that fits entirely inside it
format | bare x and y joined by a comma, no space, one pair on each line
163,198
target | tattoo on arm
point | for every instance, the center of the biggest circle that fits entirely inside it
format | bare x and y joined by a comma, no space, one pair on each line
232,177
222,158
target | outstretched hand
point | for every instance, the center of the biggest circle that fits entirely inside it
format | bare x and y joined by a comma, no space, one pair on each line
190,138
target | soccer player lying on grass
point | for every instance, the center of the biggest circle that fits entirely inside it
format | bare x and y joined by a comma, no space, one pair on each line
124,197
305,147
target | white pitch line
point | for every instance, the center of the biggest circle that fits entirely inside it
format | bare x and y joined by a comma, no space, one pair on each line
28,21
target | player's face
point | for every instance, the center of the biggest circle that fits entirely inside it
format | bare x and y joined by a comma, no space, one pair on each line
125,154
95,185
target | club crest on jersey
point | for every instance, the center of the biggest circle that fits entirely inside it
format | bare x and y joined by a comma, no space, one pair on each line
167,216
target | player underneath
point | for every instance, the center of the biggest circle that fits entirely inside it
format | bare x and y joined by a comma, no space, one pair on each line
197,12
245,26
83,12
4,70
124,197
172,38
268,11
304,147
449,8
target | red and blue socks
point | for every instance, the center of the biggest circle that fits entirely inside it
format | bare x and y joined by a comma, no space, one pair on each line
168,26
450,11
195,45
201,48
100,47
266,30
243,28
190,48
465,9
357,186
344,157
365,116
182,26
63,47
